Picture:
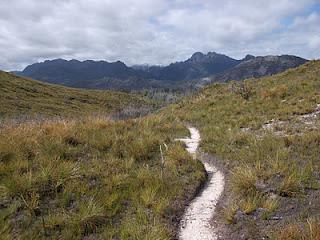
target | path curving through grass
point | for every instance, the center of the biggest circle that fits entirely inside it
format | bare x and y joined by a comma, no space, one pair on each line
195,223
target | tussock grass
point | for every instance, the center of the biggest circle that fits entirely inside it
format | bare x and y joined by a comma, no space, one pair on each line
251,202
94,177
243,180
309,230
229,212
270,204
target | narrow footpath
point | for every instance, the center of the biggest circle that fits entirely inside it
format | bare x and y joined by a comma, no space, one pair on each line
195,224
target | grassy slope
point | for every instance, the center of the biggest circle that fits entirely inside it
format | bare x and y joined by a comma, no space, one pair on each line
273,173
21,97
94,178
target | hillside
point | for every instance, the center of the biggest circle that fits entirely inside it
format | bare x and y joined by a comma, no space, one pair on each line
89,176
265,133
21,97
95,179
183,75
256,67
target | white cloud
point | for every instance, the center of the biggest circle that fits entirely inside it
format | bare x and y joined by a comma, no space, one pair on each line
155,32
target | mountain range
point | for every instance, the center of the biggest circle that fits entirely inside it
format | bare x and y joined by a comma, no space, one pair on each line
196,71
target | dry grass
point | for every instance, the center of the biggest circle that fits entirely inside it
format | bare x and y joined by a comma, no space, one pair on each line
70,179
229,212
244,180
310,230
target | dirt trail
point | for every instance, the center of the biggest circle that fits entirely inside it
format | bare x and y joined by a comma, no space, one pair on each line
195,224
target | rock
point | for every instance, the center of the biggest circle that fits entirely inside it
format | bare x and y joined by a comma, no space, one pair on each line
239,216
263,187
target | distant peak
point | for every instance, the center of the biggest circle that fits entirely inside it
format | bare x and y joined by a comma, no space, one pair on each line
197,56
212,54
56,60
248,57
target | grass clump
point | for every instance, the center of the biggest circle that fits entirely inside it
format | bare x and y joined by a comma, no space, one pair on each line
88,218
229,212
244,180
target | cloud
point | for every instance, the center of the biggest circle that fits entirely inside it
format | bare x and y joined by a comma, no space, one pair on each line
154,32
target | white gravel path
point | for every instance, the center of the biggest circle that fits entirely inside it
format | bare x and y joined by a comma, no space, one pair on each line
195,224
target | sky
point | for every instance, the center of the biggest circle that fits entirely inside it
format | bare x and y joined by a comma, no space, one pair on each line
155,32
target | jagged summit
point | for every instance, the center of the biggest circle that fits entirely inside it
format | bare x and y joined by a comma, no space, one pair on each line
248,57
197,56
